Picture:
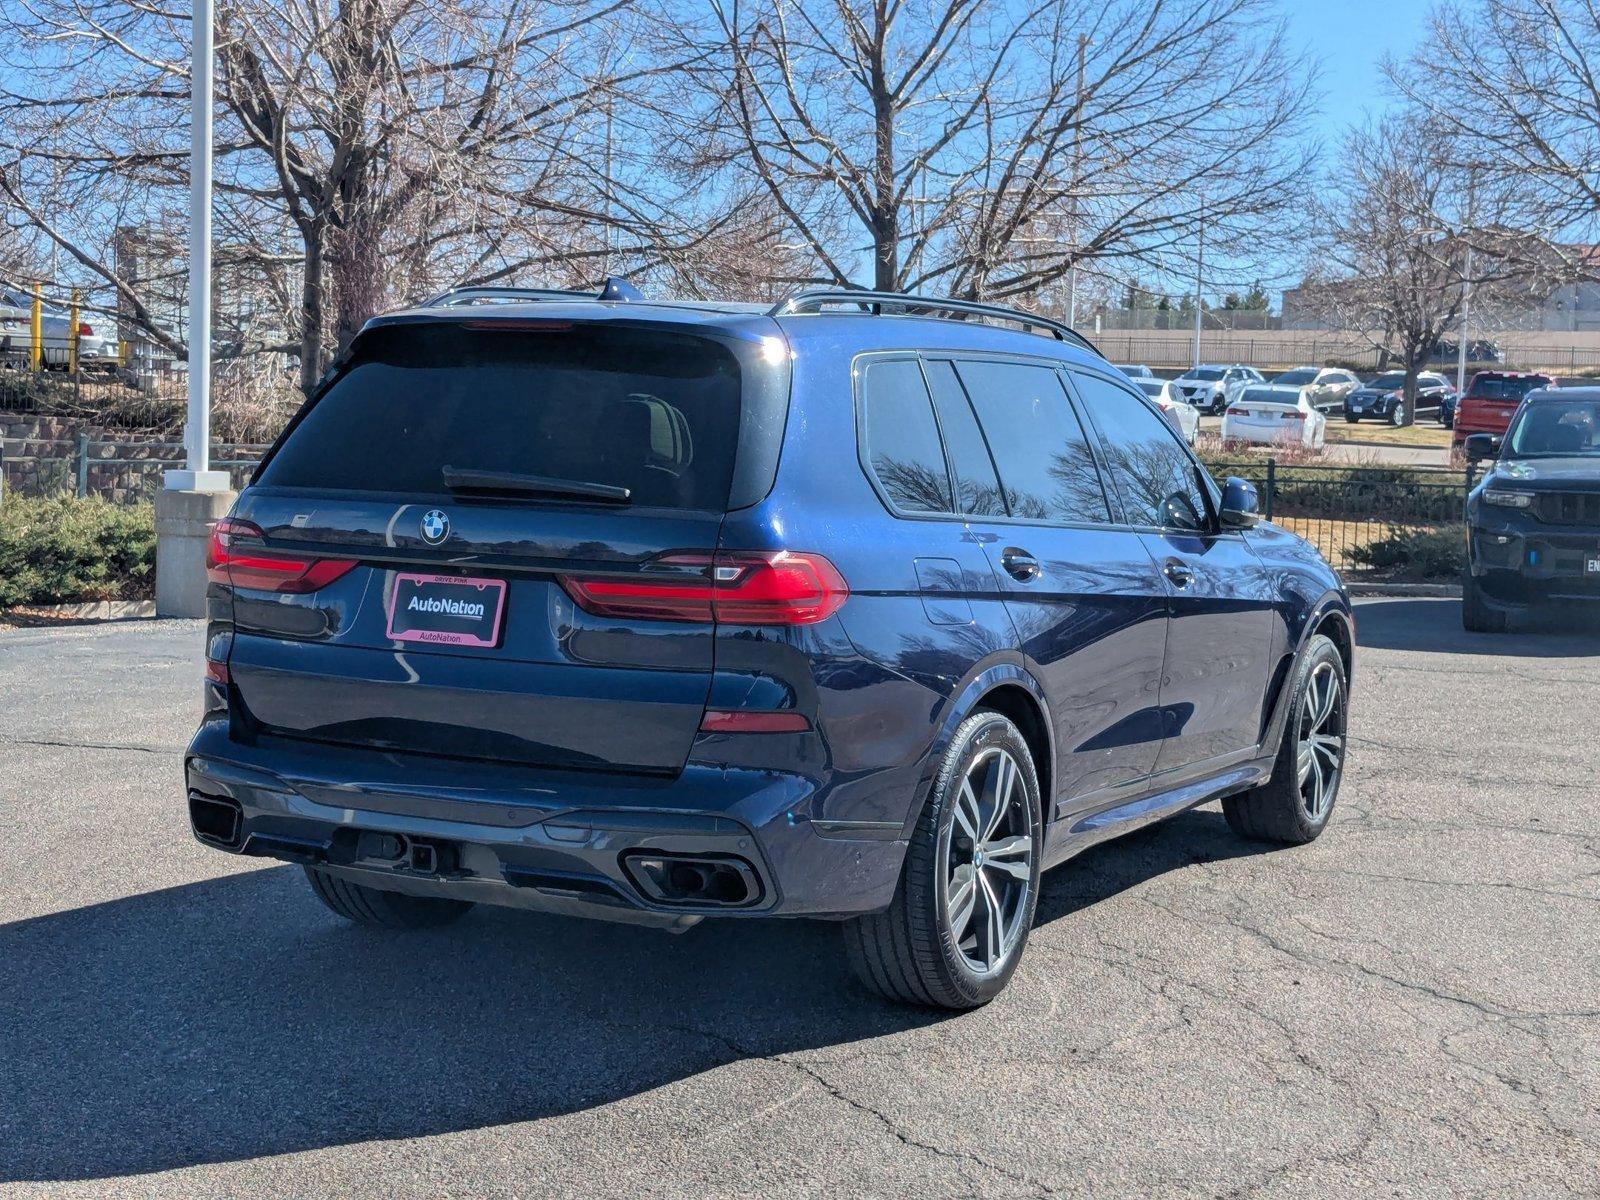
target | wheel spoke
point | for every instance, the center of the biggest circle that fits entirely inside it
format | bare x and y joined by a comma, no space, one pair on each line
1328,746
1004,776
1328,695
963,899
1008,847
1020,871
991,923
967,811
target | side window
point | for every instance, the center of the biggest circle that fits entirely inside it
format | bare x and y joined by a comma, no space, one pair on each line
1157,480
1047,471
977,486
900,439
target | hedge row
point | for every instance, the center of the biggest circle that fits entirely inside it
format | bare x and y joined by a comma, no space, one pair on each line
61,550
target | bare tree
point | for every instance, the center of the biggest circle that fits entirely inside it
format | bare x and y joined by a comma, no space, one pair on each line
382,147
988,148
1522,110
1397,229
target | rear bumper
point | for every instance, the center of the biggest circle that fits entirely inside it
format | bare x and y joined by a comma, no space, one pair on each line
553,842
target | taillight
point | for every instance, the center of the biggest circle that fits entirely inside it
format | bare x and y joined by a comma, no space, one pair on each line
232,560
730,588
85,330
1292,416
1238,412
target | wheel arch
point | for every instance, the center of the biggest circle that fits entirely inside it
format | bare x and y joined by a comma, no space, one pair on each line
1011,690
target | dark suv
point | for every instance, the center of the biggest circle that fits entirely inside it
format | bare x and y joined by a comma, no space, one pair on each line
1533,523
655,611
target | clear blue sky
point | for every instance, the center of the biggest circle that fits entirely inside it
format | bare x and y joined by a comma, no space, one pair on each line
1347,39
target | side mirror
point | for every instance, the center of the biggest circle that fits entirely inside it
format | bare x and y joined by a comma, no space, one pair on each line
1241,507
1483,445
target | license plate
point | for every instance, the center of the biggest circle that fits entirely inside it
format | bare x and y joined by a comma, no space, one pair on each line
1593,566
446,610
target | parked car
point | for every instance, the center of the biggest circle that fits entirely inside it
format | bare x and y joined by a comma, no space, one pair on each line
1478,350
1184,416
1212,388
16,334
577,607
1491,400
1385,397
1327,386
1447,407
1135,372
1533,522
1270,415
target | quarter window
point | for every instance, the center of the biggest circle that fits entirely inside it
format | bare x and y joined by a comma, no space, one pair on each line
1157,480
1047,471
900,437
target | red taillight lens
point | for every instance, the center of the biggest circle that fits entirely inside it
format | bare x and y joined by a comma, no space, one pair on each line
738,720
232,560
1291,416
85,330
1238,412
730,588
216,671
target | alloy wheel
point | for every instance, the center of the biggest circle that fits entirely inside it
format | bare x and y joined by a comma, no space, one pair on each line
1322,740
988,862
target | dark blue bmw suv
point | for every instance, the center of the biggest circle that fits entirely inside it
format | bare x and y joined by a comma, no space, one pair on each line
864,607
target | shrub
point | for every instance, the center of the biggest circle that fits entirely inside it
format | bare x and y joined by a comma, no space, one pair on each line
1416,553
60,550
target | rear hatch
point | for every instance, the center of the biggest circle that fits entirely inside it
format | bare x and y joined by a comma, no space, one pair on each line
455,486
1491,399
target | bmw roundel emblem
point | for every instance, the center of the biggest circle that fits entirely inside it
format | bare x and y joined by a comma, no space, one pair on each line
435,526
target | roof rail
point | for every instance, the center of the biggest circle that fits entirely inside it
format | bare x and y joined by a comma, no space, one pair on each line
614,291
877,303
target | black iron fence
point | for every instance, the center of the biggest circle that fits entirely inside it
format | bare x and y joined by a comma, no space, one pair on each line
1355,514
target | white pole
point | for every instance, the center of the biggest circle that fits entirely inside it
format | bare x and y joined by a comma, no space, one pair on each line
199,439
1466,304
1199,269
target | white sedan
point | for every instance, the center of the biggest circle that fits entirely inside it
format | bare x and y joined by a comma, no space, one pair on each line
1275,416
1184,416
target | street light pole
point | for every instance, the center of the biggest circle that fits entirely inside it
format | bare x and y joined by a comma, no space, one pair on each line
1199,270
191,500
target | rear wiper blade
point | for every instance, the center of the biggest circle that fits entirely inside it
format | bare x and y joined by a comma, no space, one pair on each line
466,479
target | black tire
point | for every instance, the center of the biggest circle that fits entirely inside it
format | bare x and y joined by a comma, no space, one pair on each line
907,953
1352,418
1277,810
1476,615
383,910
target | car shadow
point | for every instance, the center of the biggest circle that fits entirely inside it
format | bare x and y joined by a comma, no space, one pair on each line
234,1018
1434,627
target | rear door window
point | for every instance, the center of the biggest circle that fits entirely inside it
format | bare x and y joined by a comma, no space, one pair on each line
901,439
1047,470
1157,480
977,485
653,411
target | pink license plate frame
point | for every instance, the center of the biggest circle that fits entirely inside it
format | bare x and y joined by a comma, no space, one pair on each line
490,589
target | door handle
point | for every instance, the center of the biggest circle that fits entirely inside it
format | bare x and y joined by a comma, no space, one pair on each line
1019,564
1179,573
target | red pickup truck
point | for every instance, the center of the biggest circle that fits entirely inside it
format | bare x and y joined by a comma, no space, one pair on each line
1491,400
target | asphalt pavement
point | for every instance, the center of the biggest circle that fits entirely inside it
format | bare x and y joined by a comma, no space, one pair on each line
1409,1006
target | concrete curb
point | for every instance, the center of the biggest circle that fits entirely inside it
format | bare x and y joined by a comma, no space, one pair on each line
1448,591
94,610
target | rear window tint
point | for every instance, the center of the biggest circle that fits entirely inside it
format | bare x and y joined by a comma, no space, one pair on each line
655,412
1046,467
1497,387
901,439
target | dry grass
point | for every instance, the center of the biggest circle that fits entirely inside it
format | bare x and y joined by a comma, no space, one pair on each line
1425,435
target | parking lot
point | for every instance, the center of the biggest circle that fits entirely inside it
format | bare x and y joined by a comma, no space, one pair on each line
1409,1006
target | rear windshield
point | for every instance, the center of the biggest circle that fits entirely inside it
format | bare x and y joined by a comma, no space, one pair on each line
654,412
1498,387
1296,378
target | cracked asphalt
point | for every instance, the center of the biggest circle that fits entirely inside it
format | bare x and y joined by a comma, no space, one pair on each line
1408,1007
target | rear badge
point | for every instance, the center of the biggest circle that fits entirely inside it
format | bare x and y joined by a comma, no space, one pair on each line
435,526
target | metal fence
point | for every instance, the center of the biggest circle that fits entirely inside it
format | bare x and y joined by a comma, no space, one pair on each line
1344,510
123,470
